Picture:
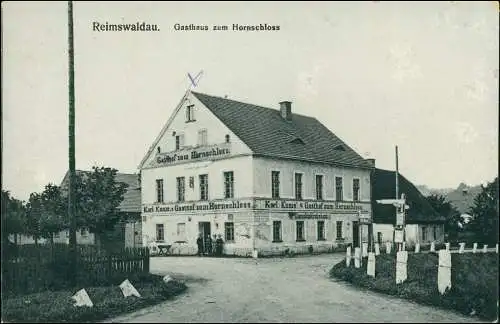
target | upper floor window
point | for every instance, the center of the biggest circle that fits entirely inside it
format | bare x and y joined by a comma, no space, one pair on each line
319,187
179,141
204,187
275,184
339,192
189,113
227,138
202,137
298,186
159,190
181,188
355,189
158,149
228,184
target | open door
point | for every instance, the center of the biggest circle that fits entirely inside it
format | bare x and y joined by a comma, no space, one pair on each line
204,229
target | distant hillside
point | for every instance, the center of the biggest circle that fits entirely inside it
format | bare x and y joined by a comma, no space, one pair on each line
426,191
461,197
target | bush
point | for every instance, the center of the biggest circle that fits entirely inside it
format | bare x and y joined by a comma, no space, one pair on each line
474,281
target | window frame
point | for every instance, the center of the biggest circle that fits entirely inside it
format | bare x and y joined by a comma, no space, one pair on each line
301,185
181,198
158,226
358,193
203,137
303,234
231,185
203,186
279,231
341,187
337,228
273,196
229,232
321,235
321,193
190,113
160,191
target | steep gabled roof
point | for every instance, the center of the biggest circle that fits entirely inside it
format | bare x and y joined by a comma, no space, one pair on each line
266,133
131,198
384,187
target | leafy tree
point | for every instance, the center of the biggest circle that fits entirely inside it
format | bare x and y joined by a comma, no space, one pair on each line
98,196
446,209
485,213
47,213
13,217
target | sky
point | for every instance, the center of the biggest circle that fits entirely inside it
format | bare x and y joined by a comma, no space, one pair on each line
422,76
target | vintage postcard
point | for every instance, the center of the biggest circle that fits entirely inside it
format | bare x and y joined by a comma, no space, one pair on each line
250,161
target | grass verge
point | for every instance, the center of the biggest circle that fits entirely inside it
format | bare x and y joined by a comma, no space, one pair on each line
57,306
474,279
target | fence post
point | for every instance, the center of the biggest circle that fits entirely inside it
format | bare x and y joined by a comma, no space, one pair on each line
474,248
388,246
417,248
462,248
370,268
485,248
377,249
444,271
401,266
348,256
146,260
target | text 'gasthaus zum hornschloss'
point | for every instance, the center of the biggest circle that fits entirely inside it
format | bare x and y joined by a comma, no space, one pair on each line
143,26
233,27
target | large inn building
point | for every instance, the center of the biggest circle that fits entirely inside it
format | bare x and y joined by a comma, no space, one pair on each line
262,178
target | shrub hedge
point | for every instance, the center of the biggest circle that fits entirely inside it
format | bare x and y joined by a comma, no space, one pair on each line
474,279
57,306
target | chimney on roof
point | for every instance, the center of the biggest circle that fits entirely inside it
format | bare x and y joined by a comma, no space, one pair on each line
286,110
371,161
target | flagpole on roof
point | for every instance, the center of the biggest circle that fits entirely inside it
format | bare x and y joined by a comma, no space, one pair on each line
71,153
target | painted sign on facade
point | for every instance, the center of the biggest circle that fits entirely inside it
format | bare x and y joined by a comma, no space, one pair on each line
197,206
298,208
299,205
205,153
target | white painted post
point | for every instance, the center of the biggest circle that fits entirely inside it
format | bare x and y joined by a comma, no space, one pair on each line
388,247
357,257
474,248
404,246
365,249
417,248
447,246
462,248
401,264
433,247
485,248
444,271
496,248
370,268
348,257
377,249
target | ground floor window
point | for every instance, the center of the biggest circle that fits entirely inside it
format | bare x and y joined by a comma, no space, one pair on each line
321,230
299,226
181,231
379,237
424,233
277,231
339,230
160,234
229,231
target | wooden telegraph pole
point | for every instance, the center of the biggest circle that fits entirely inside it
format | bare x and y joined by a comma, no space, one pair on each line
71,136
397,185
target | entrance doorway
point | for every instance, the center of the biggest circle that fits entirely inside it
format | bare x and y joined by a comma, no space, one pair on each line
204,230
355,234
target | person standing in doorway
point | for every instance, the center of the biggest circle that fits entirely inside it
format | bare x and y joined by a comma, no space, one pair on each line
219,245
208,243
199,242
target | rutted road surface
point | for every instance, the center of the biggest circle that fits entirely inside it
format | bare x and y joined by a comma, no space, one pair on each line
275,290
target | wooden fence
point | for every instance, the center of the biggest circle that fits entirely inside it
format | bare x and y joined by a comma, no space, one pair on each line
31,268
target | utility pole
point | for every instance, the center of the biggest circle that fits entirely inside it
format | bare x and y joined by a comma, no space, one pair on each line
71,156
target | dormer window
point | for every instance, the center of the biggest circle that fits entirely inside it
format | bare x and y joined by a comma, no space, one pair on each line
190,113
297,141
227,138
339,148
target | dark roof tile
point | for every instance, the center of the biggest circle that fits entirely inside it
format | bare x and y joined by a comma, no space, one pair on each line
266,133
